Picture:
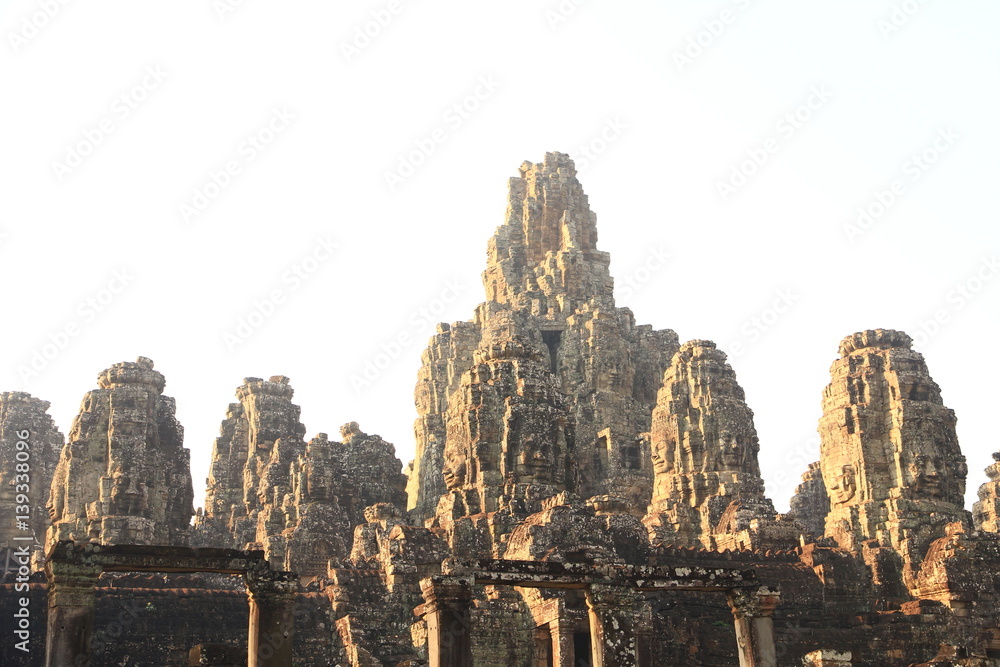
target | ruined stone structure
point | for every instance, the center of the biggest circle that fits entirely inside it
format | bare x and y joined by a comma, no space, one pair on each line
810,504
508,431
585,491
299,502
549,345
30,444
708,490
986,511
124,476
249,476
890,456
74,570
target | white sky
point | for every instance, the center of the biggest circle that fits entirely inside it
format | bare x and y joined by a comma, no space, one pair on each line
676,130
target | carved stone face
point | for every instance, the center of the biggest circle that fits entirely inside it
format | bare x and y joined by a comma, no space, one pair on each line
660,463
928,476
733,455
534,461
844,485
454,474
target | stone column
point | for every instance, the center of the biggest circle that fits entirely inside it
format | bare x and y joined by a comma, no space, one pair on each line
752,609
446,610
563,651
612,633
644,635
272,618
71,612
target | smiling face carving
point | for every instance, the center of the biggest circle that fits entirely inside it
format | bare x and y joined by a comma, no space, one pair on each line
454,474
733,453
928,476
661,465
844,486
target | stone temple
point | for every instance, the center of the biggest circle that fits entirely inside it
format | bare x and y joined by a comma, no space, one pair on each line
585,491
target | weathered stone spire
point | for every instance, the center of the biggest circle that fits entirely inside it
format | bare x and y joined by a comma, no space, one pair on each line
986,511
325,495
448,354
299,502
251,458
124,476
545,257
889,453
811,504
508,429
707,488
549,288
24,419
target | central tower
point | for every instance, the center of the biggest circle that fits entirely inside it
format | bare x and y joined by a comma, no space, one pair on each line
550,386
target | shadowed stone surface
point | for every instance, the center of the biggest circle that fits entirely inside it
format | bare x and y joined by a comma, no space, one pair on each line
249,473
810,504
25,419
890,455
708,490
124,476
986,511
298,501
549,366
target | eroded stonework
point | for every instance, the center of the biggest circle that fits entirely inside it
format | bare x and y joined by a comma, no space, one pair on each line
124,476
585,491
299,502
250,465
508,429
708,490
810,504
548,344
986,511
890,455
26,468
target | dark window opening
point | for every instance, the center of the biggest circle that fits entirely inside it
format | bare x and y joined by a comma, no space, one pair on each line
630,458
552,340
581,649
601,454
